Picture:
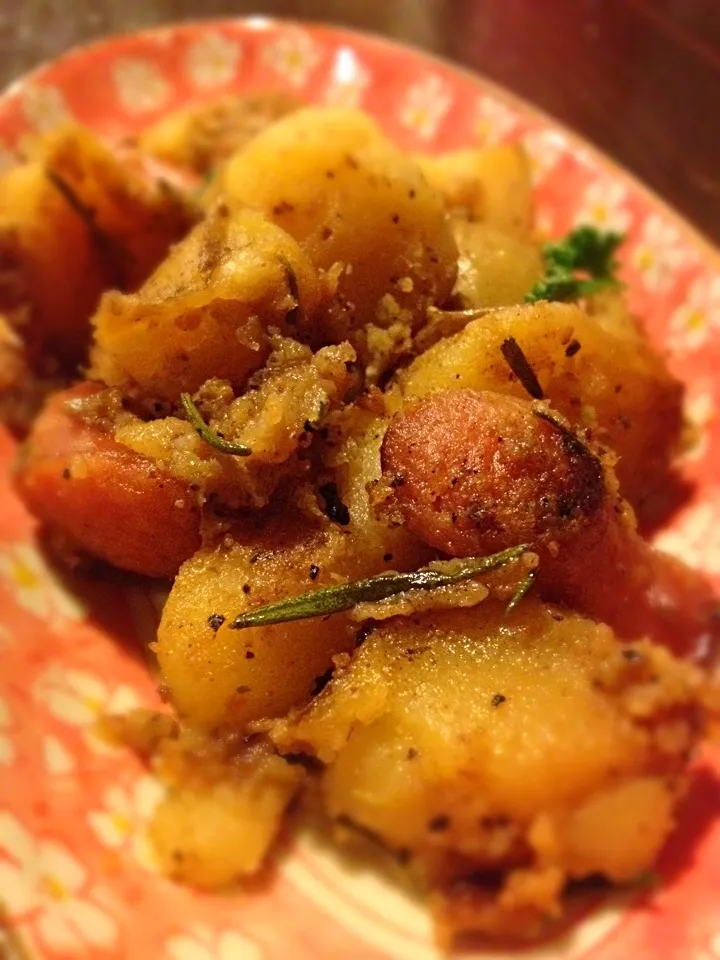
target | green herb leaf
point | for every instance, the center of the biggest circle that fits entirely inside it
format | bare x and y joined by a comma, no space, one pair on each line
522,590
321,603
209,435
581,264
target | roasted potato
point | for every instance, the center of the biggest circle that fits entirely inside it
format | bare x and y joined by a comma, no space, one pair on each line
202,136
222,811
447,738
348,196
218,677
52,274
600,371
494,269
490,185
207,309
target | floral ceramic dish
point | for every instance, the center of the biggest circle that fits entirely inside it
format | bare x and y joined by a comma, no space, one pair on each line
76,879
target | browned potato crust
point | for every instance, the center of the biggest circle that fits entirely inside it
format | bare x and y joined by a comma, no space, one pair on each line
447,737
349,196
202,136
206,310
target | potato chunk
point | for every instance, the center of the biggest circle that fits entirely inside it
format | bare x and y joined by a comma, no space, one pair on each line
348,196
203,135
447,737
490,186
206,310
221,816
494,268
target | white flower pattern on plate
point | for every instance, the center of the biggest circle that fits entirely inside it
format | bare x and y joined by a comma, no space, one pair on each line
495,121
544,148
700,412
7,749
48,890
659,253
140,85
212,61
121,822
80,699
201,943
45,107
424,105
692,323
59,762
35,585
292,55
348,81
604,205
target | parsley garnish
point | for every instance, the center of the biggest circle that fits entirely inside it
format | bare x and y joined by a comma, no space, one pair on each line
581,264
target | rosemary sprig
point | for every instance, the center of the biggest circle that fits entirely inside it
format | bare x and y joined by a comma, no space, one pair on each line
322,603
209,435
520,366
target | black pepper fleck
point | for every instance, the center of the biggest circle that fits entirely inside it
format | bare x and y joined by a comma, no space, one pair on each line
632,656
387,557
397,481
439,823
498,699
335,509
242,689
572,348
412,753
246,588
66,473
249,655
314,571
215,621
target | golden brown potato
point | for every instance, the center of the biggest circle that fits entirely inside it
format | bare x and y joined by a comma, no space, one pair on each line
490,185
221,814
206,310
203,135
277,419
222,678
52,273
131,217
599,371
494,269
348,196
103,498
477,472
447,737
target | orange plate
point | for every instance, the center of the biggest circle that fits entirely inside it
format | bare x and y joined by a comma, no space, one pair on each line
75,876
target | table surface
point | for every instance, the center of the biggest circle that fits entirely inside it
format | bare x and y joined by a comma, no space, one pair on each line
640,78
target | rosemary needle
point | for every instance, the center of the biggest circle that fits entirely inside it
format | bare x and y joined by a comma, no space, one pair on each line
321,603
209,435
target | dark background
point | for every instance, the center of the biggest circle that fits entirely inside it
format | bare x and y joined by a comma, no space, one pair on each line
640,78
